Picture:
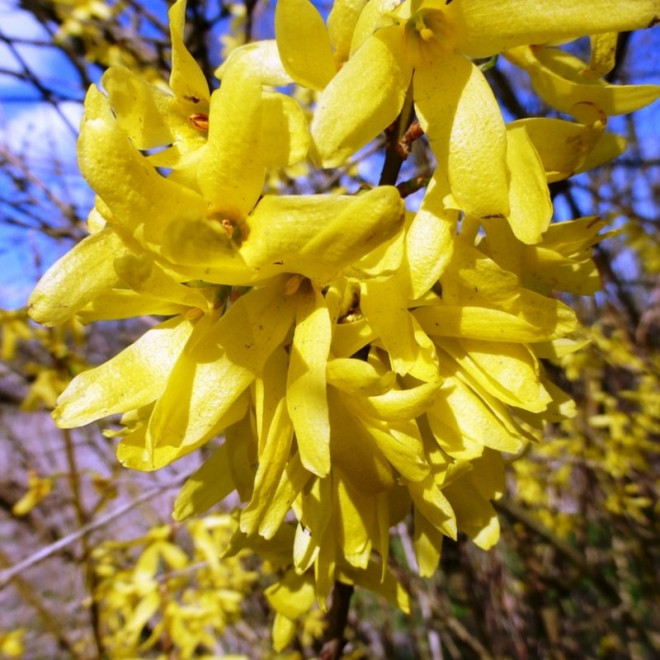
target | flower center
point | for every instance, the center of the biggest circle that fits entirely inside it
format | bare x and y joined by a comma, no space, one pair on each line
427,35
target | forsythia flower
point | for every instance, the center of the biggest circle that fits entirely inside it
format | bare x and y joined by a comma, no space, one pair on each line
362,362
427,48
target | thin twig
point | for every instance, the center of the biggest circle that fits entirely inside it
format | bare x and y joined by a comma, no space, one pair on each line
9,574
50,623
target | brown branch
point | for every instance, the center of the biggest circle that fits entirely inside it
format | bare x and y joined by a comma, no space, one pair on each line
393,152
337,619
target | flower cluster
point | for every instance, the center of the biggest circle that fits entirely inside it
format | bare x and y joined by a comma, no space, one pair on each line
362,361
188,597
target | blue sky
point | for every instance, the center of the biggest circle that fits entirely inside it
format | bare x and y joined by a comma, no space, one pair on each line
45,136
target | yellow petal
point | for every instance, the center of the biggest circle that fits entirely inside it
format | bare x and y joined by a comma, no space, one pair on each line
452,97
125,303
384,304
294,479
529,197
303,43
283,631
430,240
38,489
472,276
402,445
482,282
482,323
475,515
562,145
272,462
281,225
433,505
354,451
317,235
315,519
231,173
306,385
460,418
145,276
400,405
371,219
262,59
115,170
501,245
609,147
546,270
203,248
342,19
383,261
358,377
231,351
350,337
139,107
470,495
268,392
603,54
555,78
241,445
427,541
132,379
376,79
371,18
210,484
325,569
355,516
285,136
138,450
187,80
507,371
381,582
62,291
291,596
483,29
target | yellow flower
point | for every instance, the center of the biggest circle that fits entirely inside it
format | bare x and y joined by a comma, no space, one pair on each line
429,46
361,362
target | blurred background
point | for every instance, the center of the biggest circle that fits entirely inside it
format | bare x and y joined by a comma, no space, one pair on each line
91,564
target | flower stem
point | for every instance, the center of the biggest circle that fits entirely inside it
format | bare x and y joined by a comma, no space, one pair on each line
393,156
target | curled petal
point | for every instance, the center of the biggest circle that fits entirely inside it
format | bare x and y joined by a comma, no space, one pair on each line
556,78
566,148
187,80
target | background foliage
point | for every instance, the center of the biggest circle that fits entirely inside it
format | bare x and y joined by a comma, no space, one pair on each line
107,574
